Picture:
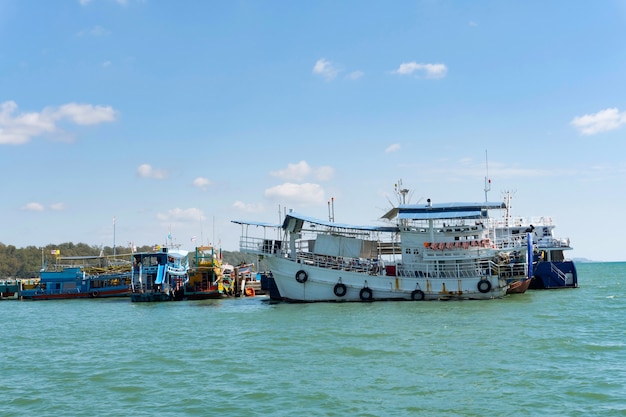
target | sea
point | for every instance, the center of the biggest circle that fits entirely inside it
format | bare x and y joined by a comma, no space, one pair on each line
542,353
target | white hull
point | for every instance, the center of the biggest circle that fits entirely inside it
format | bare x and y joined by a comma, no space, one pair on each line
321,282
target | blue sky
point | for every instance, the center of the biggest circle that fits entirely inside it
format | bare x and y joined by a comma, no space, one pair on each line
178,117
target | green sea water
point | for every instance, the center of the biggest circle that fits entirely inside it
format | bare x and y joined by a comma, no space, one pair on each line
542,353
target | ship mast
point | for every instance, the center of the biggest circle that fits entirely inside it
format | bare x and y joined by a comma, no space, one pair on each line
487,179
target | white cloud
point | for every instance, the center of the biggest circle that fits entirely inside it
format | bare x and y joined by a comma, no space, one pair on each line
392,148
430,70
355,75
146,171
82,114
294,172
182,215
602,121
298,194
17,129
325,68
33,207
57,206
302,170
202,183
248,207
324,173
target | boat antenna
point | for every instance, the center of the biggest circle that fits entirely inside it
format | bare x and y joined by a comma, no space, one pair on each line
113,235
487,179
401,192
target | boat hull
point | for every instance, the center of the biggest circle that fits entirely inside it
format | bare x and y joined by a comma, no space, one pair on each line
204,295
553,275
56,295
519,286
150,297
325,284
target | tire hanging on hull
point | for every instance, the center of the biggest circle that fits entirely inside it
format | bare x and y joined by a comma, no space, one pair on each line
417,295
302,276
365,294
340,289
484,286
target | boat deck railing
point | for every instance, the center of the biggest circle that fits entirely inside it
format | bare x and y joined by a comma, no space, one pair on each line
368,266
459,270
552,242
260,246
556,272
516,221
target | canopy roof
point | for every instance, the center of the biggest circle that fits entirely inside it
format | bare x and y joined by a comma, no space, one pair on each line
443,211
302,218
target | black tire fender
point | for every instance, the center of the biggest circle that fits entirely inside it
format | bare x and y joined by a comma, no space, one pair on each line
365,294
302,276
484,286
417,295
340,289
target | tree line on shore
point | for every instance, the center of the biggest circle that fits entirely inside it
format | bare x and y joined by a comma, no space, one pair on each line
29,261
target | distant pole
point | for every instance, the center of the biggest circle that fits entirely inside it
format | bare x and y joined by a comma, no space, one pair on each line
114,252
487,179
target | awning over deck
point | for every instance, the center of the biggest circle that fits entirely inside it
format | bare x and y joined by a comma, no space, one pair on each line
443,211
299,219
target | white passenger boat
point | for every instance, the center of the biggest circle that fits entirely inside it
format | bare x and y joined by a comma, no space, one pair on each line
427,252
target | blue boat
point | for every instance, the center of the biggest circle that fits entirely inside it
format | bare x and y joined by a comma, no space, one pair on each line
83,277
550,268
159,275
9,288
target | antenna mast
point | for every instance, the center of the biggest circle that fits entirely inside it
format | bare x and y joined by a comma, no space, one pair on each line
487,179
402,192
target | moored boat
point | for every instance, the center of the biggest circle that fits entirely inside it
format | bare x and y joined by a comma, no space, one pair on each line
82,277
9,288
429,252
159,275
205,275
550,268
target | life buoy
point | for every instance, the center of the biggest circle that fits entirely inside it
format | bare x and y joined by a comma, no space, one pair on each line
95,293
340,289
250,292
417,295
484,286
365,294
301,276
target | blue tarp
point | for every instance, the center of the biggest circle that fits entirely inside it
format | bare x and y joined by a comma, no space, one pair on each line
160,274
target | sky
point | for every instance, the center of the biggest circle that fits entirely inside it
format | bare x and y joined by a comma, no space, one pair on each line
144,122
